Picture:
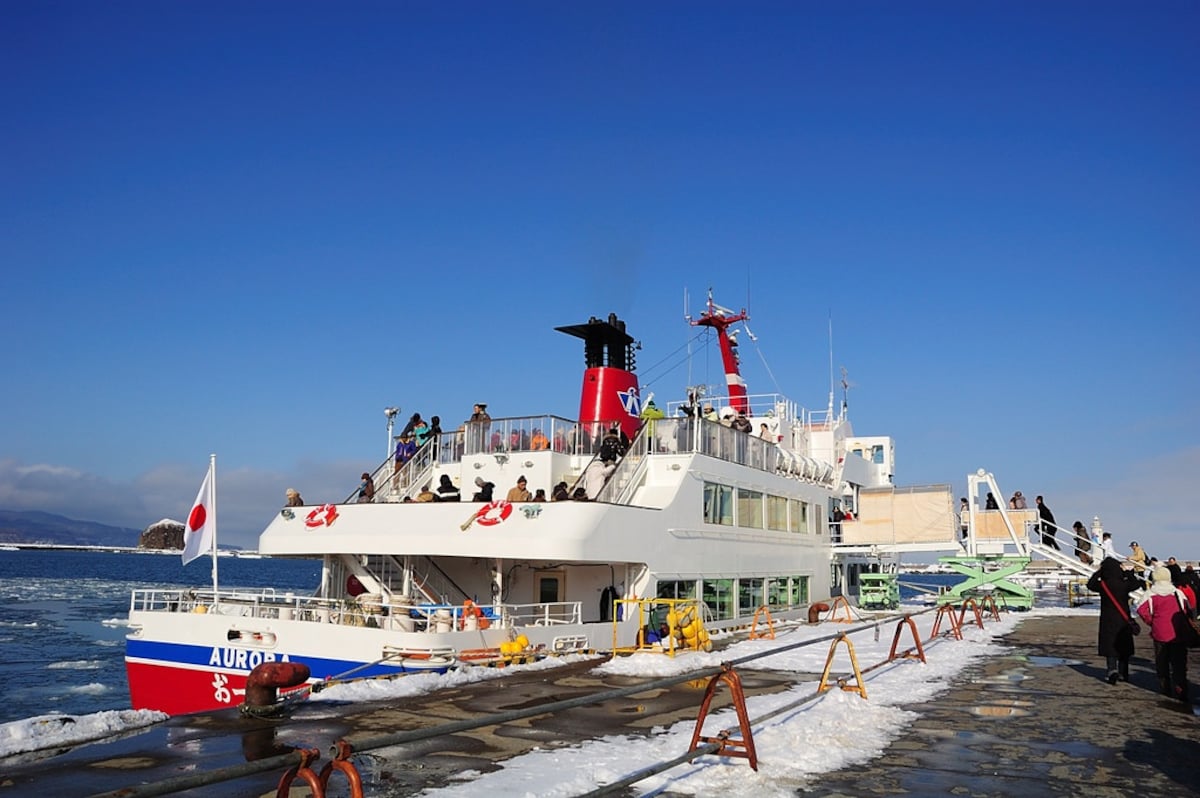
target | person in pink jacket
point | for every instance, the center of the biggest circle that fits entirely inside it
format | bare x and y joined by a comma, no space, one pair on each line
1160,609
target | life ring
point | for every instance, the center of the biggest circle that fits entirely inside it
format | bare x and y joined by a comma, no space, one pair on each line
324,515
494,512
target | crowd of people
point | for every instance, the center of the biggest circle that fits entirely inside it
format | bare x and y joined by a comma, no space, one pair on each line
1162,596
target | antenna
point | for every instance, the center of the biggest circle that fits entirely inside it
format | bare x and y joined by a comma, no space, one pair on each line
831,361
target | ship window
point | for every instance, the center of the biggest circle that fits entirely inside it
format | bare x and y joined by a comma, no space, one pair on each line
798,516
718,595
777,593
549,588
750,596
799,590
718,504
750,508
777,513
877,455
680,589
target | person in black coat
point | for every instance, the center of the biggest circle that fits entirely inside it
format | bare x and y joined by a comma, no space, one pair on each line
1115,640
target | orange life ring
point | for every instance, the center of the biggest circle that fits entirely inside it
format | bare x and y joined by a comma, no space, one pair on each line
494,512
324,515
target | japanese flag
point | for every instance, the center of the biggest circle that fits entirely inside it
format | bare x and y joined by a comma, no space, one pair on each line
200,531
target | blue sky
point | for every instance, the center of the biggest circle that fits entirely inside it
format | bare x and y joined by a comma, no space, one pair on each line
246,228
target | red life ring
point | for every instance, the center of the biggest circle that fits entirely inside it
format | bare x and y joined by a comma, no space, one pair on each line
493,513
324,515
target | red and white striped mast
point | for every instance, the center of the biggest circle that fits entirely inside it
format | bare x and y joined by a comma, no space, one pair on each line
719,319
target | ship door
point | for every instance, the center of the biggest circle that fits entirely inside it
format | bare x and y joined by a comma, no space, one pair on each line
548,587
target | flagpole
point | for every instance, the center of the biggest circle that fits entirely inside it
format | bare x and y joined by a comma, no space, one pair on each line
212,496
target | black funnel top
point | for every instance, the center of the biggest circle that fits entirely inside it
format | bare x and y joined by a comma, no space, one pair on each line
605,343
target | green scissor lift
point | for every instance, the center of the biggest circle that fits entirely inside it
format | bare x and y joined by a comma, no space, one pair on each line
982,570
878,591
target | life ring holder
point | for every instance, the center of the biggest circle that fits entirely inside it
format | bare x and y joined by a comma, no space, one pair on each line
493,513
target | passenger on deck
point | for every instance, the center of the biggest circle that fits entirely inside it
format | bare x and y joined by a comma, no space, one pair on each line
560,494
477,426
539,495
991,504
580,495
435,433
446,491
610,447
742,424
764,432
1048,525
964,517
406,447
710,414
413,421
293,498
484,494
1083,543
420,433
538,442
366,489
1017,502
426,495
519,493
595,476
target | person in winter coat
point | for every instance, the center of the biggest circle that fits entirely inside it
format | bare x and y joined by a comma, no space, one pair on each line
1115,640
446,491
1163,609
1048,524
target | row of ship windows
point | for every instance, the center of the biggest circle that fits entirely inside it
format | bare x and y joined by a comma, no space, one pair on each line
752,509
741,597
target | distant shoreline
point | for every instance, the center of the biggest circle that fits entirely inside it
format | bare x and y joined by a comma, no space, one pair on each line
114,549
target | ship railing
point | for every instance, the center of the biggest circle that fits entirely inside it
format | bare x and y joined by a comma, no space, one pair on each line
365,610
524,434
689,435
761,405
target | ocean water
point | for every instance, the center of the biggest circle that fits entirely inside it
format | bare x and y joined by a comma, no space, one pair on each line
64,619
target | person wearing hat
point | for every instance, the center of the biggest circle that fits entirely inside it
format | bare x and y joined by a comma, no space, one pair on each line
293,498
484,494
519,493
1138,556
1165,610
446,490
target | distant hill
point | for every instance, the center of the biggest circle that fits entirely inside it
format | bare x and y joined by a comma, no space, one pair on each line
38,527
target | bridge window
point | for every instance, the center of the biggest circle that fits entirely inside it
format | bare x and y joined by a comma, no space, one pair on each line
777,513
750,508
718,504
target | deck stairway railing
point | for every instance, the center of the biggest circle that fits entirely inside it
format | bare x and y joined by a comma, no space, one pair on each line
621,483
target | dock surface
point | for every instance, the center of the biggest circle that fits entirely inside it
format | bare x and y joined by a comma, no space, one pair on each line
1038,720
